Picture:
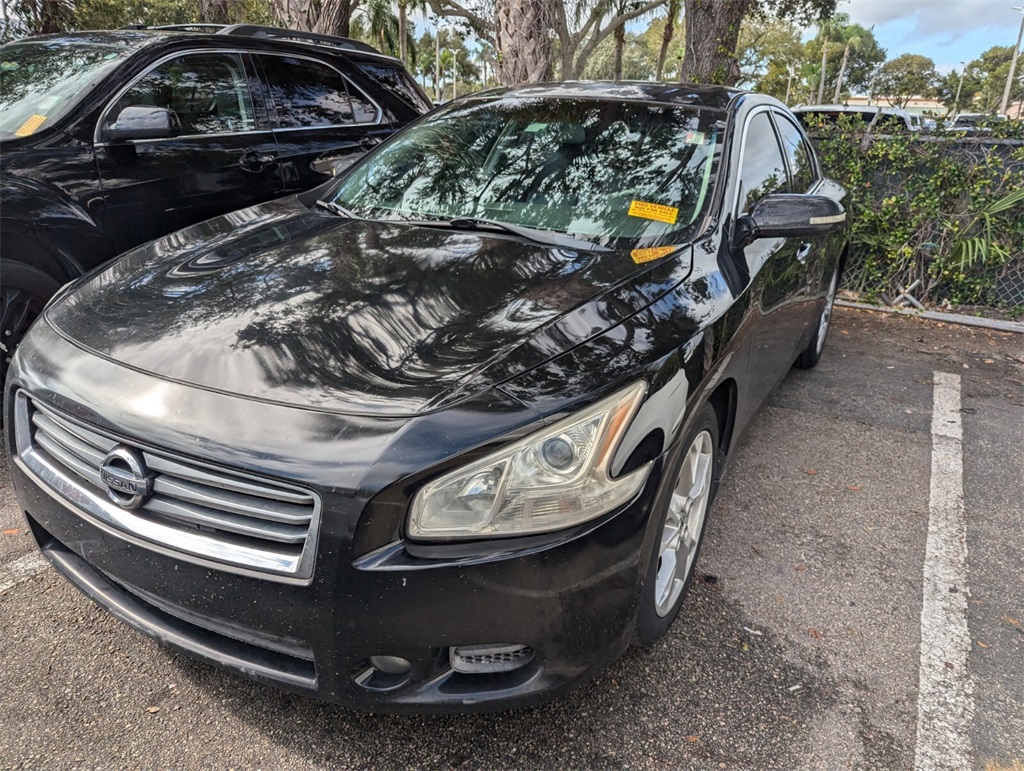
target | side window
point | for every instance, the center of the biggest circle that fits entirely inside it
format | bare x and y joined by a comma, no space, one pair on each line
209,93
799,154
306,94
364,110
763,171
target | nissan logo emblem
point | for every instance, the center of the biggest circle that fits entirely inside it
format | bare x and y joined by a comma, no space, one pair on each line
124,474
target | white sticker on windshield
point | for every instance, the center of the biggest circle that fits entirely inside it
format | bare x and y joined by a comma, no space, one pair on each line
48,102
694,137
533,128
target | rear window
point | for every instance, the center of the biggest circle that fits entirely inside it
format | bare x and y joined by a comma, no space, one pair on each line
397,81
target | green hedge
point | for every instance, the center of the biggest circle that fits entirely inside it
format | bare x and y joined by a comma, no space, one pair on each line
944,209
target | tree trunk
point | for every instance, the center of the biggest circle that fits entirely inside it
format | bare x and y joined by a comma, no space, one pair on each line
335,17
842,72
821,75
293,14
213,11
523,41
53,17
666,39
620,44
403,32
712,33
437,64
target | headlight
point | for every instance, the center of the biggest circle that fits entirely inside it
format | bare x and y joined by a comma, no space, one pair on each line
555,478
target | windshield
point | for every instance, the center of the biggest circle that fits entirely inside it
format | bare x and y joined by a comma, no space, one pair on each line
599,170
41,80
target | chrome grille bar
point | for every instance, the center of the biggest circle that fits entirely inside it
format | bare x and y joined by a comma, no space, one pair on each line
225,519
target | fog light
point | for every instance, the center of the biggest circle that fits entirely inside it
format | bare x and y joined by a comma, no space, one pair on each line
493,657
390,665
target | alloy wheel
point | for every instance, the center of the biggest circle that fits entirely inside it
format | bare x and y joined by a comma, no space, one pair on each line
680,535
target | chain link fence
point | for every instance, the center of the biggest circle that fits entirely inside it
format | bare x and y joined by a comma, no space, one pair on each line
1002,287
908,215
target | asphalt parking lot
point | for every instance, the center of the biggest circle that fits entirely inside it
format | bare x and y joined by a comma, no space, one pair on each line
834,623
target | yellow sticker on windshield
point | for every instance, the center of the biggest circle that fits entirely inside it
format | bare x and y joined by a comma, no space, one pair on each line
653,211
650,254
29,127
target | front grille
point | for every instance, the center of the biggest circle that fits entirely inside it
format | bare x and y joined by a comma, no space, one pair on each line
227,519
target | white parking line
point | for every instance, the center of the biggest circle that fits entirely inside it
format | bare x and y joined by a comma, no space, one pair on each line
945,701
21,569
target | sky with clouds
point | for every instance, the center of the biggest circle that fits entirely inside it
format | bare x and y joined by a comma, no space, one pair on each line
947,31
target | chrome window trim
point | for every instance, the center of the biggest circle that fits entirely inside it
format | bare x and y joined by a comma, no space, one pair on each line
98,134
219,135
124,524
348,83
743,151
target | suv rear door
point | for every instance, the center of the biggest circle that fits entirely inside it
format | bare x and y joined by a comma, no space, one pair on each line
322,120
224,158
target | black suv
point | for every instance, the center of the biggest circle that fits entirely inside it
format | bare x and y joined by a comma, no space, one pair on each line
111,139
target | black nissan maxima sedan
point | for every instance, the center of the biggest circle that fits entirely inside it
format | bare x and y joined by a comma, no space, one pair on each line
444,438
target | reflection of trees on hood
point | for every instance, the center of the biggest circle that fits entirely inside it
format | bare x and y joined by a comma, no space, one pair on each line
324,303
625,351
412,306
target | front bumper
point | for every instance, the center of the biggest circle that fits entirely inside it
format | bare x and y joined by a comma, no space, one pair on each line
573,605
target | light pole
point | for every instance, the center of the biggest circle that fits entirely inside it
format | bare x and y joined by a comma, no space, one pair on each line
455,74
1013,63
956,99
437,61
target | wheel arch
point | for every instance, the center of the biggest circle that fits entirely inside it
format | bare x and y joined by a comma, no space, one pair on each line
723,401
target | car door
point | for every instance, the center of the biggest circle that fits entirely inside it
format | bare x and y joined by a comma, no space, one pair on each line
323,121
777,281
223,159
812,252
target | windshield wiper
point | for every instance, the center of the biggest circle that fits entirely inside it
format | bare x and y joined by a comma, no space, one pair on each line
336,208
537,235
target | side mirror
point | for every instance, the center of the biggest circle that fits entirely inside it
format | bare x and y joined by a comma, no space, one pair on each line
143,122
790,215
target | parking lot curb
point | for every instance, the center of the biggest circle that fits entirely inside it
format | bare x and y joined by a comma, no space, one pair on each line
951,318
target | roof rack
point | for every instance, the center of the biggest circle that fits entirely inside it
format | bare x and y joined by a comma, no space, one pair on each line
279,33
257,31
198,27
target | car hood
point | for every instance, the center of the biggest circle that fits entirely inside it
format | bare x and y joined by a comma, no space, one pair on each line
300,307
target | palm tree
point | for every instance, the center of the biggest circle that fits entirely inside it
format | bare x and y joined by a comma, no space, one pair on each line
853,39
666,40
382,25
828,30
405,40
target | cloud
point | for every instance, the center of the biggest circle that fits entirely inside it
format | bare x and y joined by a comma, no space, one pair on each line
944,19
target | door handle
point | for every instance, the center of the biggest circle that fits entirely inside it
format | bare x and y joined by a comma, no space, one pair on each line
256,161
802,253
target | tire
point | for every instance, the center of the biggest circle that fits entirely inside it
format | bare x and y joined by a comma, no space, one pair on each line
680,529
24,291
812,353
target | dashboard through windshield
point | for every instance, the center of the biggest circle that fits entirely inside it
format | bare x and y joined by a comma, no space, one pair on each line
597,170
